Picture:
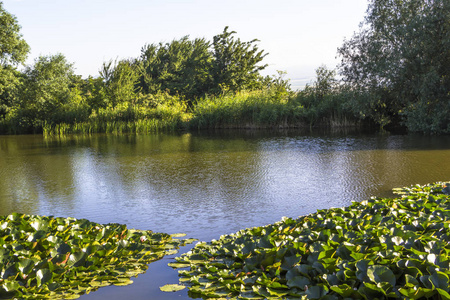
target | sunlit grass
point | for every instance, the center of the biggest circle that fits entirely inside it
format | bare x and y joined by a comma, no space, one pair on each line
247,109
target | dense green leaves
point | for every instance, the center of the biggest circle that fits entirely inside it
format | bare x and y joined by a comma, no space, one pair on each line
400,61
376,249
236,64
13,51
180,67
396,69
46,92
194,68
13,48
62,258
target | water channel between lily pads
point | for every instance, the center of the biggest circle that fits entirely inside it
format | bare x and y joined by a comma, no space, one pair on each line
206,184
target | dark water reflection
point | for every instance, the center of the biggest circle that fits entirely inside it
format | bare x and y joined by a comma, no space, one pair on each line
206,185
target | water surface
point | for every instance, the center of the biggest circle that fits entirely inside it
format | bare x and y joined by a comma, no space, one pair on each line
204,184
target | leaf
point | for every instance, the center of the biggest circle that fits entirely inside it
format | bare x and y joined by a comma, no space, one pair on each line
443,293
178,265
77,259
298,282
439,280
410,280
11,286
25,265
189,241
316,292
40,225
361,270
123,282
172,288
43,276
379,274
177,235
343,290
371,291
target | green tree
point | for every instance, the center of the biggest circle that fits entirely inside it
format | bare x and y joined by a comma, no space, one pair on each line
46,88
181,67
94,91
194,68
120,82
13,51
236,64
321,99
400,61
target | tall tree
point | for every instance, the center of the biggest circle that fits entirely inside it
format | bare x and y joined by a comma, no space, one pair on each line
236,64
193,68
179,67
47,86
400,59
120,82
13,51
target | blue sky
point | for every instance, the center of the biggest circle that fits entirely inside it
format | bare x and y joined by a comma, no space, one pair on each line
299,35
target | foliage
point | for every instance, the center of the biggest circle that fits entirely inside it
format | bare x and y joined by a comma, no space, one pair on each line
94,91
400,58
194,68
236,63
260,108
395,71
13,51
376,249
181,67
62,258
160,112
326,102
120,81
46,89
13,48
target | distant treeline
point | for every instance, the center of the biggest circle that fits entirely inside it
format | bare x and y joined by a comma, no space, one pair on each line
394,72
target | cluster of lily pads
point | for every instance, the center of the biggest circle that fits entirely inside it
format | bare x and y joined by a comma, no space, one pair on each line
375,249
62,258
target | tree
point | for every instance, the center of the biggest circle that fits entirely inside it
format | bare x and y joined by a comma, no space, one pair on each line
194,68
321,99
181,67
13,51
46,88
236,63
120,82
400,59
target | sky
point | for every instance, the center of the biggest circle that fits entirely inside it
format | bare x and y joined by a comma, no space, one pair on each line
298,35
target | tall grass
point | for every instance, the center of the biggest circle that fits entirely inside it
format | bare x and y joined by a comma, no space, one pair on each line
265,108
125,118
254,109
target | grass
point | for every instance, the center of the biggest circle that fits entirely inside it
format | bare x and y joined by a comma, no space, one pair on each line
265,108
254,109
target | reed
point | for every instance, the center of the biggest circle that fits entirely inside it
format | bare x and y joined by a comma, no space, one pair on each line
264,108
247,109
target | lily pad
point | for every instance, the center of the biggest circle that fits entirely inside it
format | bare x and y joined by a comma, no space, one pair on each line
378,248
62,258
172,288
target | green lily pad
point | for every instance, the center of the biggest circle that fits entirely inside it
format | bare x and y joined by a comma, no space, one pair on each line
62,258
172,288
378,248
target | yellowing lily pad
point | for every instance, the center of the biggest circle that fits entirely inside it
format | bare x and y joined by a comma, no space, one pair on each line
172,288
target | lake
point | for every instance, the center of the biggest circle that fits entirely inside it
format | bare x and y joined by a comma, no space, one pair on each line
207,184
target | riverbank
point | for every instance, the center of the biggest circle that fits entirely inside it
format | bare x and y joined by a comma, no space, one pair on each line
258,109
